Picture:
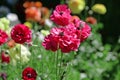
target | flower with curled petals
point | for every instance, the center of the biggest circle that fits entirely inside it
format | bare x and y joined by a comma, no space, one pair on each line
5,58
3,37
61,15
29,74
83,30
51,42
21,34
63,38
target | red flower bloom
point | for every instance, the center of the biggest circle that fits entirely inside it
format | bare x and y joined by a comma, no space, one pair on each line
61,15
21,34
3,37
29,74
5,57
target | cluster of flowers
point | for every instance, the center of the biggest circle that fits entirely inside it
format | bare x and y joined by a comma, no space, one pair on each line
34,11
69,33
20,34
67,36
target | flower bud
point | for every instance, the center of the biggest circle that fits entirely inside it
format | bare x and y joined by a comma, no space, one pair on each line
76,6
99,8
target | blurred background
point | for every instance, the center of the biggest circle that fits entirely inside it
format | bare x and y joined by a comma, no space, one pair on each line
110,32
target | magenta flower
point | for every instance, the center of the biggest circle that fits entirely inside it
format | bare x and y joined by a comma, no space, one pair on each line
51,42
69,37
67,44
21,34
61,15
86,30
3,37
83,30
62,38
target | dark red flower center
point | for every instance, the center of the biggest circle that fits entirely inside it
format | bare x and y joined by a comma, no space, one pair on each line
61,13
78,28
29,75
61,34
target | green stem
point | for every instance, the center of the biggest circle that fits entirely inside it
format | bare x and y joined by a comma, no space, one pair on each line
60,69
56,65
0,49
67,68
35,26
98,16
20,61
62,2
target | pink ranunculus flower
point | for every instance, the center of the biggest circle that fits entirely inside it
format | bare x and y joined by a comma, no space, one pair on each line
83,30
62,38
86,30
51,42
68,44
61,15
21,34
3,37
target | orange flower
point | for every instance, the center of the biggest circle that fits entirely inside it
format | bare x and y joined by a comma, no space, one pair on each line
28,4
38,4
44,14
33,14
91,20
11,43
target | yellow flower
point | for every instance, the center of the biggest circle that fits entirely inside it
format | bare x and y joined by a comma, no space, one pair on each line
76,6
28,24
99,8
